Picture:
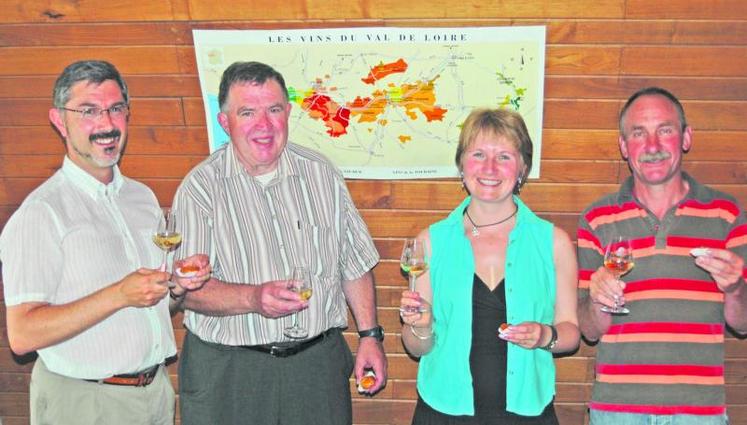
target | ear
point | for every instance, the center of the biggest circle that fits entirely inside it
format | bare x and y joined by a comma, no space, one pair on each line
55,116
623,147
223,121
687,139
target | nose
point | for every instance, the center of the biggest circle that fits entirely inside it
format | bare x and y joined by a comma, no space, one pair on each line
652,143
263,121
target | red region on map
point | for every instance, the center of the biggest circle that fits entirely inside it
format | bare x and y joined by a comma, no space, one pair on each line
335,117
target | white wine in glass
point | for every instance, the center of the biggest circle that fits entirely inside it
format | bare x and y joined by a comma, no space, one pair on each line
414,262
618,259
166,237
299,282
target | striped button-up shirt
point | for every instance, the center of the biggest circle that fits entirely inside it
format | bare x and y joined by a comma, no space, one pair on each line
255,233
667,356
73,236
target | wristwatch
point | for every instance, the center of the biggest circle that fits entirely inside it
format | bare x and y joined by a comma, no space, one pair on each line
377,332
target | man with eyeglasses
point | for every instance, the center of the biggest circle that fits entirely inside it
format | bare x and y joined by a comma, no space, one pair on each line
80,271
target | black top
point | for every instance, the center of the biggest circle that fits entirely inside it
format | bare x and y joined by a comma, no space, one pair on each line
487,363
487,359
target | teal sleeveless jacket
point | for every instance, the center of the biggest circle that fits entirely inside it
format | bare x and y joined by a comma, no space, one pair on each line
444,378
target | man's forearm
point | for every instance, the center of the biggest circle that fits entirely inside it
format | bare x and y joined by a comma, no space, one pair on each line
361,297
735,308
217,298
591,321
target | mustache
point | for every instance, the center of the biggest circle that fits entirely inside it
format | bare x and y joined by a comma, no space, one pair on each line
108,135
653,157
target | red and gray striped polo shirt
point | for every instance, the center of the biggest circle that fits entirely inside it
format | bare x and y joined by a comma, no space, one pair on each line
666,356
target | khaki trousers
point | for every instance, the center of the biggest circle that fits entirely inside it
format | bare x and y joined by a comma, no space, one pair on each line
59,400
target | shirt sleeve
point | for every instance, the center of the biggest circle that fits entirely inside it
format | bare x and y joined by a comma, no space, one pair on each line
31,253
359,253
590,255
193,213
736,240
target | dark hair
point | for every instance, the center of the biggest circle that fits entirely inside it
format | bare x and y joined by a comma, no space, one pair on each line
653,91
89,70
252,72
499,122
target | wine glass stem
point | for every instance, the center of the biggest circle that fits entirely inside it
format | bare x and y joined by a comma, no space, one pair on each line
411,282
165,260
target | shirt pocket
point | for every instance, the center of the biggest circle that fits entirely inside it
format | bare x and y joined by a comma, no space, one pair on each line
316,247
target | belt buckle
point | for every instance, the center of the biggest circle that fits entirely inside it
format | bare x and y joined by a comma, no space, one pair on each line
276,351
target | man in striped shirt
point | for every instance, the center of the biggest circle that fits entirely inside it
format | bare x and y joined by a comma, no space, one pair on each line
260,207
664,361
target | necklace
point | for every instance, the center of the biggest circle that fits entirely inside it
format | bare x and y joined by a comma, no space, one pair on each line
475,227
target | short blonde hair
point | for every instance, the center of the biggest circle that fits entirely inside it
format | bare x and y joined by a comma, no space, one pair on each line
498,122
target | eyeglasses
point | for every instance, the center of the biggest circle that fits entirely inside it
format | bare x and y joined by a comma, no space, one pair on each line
119,110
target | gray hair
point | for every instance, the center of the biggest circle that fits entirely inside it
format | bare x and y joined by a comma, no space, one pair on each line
90,70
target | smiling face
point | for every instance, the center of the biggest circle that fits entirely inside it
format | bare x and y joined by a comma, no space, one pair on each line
653,141
255,117
491,165
95,144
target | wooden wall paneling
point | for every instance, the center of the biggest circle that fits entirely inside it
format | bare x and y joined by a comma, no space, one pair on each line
715,61
686,9
52,60
92,11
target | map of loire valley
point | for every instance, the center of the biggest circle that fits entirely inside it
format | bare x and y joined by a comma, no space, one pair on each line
391,108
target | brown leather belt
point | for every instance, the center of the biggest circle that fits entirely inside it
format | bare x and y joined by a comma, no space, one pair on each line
139,379
281,350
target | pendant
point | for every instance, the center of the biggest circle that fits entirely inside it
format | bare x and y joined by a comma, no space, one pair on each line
475,232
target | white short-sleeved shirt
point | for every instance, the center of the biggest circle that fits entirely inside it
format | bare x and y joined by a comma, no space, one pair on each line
72,236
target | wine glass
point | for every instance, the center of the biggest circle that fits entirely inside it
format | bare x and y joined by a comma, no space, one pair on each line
618,260
300,282
414,262
166,237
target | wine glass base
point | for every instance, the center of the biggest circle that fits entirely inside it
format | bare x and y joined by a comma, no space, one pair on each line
615,310
295,333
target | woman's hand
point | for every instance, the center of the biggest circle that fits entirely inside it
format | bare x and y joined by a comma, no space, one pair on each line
415,311
529,335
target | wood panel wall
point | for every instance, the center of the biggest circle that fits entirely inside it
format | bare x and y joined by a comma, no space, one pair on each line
598,53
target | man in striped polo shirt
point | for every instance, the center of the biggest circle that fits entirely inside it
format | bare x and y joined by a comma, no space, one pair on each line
663,363
260,207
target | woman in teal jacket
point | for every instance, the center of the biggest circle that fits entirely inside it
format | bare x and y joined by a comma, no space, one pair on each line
494,264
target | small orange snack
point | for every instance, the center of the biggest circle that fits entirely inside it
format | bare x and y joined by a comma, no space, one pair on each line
503,328
189,269
367,381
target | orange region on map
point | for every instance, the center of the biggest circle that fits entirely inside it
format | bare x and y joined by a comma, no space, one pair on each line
368,109
420,96
385,69
404,138
335,117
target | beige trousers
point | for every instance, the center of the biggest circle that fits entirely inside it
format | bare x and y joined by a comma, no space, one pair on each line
59,400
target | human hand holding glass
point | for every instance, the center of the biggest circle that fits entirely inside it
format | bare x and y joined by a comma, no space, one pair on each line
618,260
166,237
414,262
300,282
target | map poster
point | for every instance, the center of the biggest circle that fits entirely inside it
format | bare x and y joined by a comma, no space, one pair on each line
386,103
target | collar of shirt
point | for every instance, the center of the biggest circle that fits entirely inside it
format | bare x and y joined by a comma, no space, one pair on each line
625,194
286,165
88,184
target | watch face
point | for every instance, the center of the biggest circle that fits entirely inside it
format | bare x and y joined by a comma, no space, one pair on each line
377,332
